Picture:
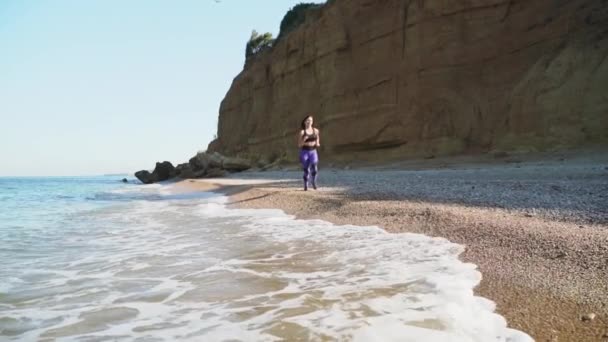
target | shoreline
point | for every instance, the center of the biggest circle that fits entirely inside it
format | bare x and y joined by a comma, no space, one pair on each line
537,232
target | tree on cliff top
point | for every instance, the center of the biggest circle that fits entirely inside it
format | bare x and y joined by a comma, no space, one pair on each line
295,17
292,19
258,42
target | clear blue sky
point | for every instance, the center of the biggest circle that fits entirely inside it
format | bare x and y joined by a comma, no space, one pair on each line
111,86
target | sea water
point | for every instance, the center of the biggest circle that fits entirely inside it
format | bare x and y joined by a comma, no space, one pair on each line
93,259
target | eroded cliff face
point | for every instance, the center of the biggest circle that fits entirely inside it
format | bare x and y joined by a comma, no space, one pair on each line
400,79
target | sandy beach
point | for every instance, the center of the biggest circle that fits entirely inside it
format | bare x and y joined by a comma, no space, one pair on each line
537,228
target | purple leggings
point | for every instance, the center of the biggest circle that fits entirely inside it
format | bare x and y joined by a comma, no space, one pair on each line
309,160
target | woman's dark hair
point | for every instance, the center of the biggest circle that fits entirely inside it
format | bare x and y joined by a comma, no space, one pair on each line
306,117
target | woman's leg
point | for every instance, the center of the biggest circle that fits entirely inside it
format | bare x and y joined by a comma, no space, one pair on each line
313,172
305,160
314,169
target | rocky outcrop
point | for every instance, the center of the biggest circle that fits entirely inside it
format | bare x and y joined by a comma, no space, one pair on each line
425,78
163,171
210,165
145,176
235,164
202,165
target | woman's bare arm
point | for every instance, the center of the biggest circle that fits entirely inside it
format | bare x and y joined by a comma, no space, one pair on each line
301,138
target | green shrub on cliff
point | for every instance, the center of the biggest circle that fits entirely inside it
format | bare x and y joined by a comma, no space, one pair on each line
295,17
292,19
257,43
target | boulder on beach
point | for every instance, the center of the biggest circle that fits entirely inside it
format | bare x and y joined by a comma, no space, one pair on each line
235,164
215,160
215,173
202,165
199,162
145,176
162,171
205,164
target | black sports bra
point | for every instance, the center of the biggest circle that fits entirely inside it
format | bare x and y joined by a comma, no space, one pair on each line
309,137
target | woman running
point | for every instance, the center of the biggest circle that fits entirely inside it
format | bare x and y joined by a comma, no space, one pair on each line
308,141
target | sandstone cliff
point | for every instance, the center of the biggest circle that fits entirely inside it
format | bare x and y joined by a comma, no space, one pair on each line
419,78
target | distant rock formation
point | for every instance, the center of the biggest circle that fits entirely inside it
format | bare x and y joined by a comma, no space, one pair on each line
210,165
145,176
202,165
163,171
426,78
